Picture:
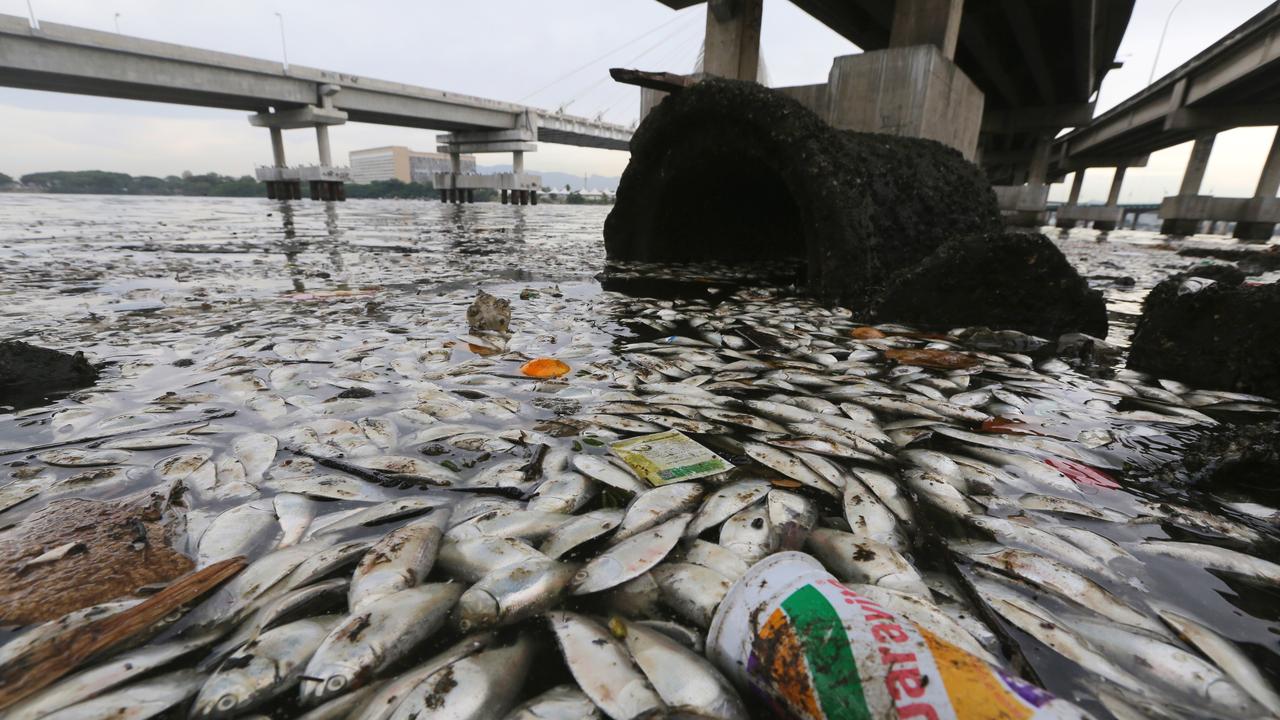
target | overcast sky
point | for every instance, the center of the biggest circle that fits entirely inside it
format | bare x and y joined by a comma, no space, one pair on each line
511,50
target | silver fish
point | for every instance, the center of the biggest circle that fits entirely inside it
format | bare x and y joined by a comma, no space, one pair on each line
1225,653
513,593
749,534
692,591
138,701
471,559
583,528
683,679
480,686
657,505
370,640
561,702
611,474
860,560
725,502
400,560
261,670
603,668
630,558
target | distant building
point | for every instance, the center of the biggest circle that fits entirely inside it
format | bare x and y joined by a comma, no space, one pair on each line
397,162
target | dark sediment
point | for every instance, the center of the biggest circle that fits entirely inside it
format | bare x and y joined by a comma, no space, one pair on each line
1213,333
1009,281
734,171
25,367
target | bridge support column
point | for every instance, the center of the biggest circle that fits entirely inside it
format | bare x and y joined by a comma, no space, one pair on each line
1179,223
1072,200
504,196
927,22
1113,201
1027,205
731,48
1268,185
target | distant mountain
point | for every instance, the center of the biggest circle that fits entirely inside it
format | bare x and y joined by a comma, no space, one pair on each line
558,180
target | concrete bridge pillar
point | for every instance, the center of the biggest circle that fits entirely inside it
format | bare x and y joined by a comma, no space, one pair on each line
1113,201
927,22
322,143
1268,185
732,45
1178,220
277,147
1073,199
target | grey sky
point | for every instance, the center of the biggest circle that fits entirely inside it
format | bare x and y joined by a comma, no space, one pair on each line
505,50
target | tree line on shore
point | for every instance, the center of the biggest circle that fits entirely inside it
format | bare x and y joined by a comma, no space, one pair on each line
98,182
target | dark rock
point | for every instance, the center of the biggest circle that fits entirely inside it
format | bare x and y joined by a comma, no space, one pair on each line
1229,274
1250,260
29,367
1235,460
355,393
184,362
1212,334
734,171
1011,281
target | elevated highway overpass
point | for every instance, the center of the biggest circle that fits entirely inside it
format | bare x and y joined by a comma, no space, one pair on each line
68,59
1233,83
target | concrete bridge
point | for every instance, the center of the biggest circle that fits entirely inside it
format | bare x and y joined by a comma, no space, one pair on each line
996,79
68,59
1233,83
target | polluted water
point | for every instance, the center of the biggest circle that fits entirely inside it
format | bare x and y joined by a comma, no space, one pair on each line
403,509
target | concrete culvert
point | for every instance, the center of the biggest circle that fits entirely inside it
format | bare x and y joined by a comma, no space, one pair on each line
733,171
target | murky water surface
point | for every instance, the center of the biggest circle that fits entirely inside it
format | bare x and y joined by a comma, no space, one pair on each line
338,330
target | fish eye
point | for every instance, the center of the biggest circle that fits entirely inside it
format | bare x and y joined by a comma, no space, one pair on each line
226,702
335,683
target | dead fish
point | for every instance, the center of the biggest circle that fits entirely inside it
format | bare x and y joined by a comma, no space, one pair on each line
686,681
603,668
749,534
788,465
74,457
371,639
725,502
236,531
630,558
514,593
860,560
1216,558
479,686
138,701
656,506
400,560
264,669
470,559
256,452
562,702
692,591
1058,578
582,529
611,474
1223,652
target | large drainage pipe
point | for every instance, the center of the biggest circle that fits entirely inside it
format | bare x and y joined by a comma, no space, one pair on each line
733,171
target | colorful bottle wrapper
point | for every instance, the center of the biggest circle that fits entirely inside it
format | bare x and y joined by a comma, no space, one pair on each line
815,650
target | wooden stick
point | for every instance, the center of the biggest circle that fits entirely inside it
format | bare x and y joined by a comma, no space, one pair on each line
50,660
665,81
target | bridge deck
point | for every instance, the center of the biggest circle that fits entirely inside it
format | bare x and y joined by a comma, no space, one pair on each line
64,58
